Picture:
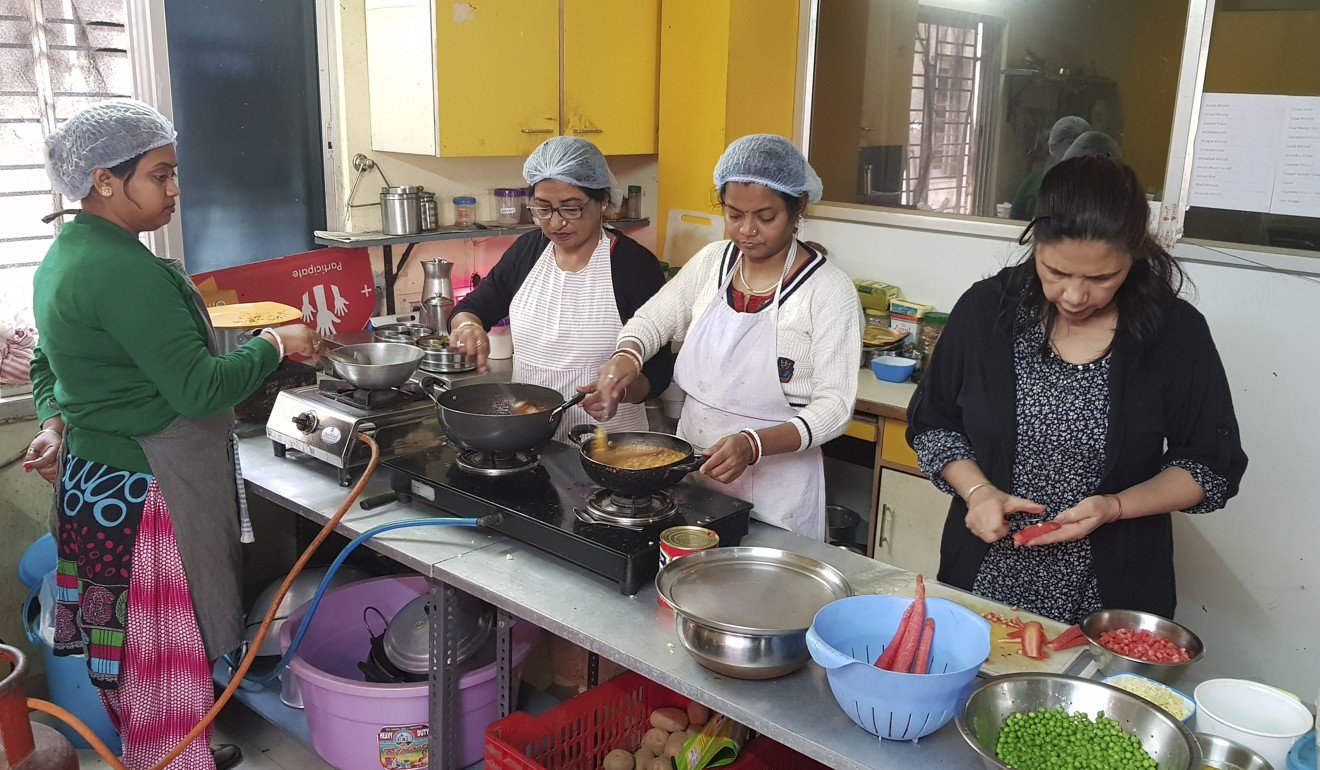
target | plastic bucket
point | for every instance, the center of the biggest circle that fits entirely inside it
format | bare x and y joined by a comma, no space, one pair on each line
358,724
1255,715
848,635
36,561
67,681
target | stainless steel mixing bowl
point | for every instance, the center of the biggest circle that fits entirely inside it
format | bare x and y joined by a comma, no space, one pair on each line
1110,662
1166,739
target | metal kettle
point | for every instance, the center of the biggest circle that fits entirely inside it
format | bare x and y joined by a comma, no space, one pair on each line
437,294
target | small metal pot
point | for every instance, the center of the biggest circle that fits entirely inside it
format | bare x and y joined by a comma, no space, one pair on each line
400,210
401,332
481,416
636,482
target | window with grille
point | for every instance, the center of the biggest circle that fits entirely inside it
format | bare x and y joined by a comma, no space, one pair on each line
943,170
56,57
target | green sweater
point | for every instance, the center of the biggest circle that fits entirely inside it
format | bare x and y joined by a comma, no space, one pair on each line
123,347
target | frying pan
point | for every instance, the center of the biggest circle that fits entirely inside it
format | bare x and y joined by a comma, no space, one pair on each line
376,365
483,416
636,482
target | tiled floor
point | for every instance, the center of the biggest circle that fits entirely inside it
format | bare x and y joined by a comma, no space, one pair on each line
264,746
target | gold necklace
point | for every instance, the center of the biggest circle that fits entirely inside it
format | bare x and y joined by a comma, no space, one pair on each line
762,292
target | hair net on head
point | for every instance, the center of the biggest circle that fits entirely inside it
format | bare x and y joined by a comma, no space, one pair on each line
769,160
1094,143
1065,132
574,161
102,136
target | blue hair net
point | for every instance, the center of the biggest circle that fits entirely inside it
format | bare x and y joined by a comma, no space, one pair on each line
769,160
1094,143
1064,133
102,136
574,161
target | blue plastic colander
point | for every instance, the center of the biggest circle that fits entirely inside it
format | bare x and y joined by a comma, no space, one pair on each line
848,635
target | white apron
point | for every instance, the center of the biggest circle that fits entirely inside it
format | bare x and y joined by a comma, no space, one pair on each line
565,326
728,367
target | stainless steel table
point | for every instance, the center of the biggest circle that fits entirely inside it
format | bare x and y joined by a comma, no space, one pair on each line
797,710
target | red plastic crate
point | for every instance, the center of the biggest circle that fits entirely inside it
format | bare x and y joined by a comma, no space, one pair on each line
578,733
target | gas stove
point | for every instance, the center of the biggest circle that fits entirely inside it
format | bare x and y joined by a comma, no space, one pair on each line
551,504
324,421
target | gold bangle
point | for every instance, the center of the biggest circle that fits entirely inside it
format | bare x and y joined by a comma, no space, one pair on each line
466,324
967,498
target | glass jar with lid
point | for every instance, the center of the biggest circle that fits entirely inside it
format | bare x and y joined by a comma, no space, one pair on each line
465,211
509,203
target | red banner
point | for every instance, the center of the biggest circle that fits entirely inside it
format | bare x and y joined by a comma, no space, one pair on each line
333,287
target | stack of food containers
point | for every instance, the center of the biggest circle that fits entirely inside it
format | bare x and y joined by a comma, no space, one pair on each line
905,316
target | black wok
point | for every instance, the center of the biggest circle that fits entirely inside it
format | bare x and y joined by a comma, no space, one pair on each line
483,416
636,482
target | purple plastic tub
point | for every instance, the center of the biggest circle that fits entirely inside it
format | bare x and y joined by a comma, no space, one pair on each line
358,724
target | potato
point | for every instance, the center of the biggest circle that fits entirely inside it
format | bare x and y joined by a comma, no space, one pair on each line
619,759
697,713
693,731
674,746
642,758
654,741
660,763
669,719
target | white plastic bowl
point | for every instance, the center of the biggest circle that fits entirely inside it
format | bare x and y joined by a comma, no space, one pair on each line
1255,715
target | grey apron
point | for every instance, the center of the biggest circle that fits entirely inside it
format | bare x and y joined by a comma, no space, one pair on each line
195,463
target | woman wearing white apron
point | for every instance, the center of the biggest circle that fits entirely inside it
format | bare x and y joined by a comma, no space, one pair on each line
568,287
771,336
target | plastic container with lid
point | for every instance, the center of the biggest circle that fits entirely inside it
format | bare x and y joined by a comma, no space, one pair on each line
465,211
932,326
634,202
876,317
509,203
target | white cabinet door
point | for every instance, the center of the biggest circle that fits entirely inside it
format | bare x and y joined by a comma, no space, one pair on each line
912,513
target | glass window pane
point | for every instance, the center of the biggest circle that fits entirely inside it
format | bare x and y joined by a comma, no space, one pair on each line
1262,48
20,216
14,180
86,10
22,142
906,91
16,70
82,72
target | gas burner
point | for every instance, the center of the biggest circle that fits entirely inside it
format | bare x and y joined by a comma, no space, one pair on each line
606,507
370,398
496,463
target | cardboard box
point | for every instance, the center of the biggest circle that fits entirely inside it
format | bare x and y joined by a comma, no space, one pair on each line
875,294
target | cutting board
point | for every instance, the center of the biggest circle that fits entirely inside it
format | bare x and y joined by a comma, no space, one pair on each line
1004,657
687,232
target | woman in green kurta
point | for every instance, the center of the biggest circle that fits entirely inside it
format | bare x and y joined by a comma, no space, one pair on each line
135,408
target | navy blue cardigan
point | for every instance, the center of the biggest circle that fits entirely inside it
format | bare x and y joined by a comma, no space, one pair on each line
1169,399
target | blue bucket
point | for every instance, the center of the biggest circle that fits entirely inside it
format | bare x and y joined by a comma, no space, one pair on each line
67,680
37,560
848,635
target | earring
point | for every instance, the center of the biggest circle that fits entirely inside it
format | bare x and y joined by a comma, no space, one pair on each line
106,192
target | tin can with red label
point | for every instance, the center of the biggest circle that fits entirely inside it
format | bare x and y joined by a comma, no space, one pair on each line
681,541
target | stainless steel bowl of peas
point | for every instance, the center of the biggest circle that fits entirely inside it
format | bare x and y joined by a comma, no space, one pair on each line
1053,722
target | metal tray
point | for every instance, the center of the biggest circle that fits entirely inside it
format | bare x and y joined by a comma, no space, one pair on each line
749,590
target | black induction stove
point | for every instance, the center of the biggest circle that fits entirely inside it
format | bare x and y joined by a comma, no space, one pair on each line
546,506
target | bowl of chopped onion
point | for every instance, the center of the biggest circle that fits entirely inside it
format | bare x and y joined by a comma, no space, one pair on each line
1179,704
1135,642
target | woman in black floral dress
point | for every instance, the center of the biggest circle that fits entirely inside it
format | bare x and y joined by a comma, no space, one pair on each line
1076,387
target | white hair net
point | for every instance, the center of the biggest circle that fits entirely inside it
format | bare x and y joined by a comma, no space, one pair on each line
1094,143
769,160
102,136
574,161
1064,133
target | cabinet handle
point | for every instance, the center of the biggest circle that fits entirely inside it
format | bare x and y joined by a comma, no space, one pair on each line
538,130
588,130
884,512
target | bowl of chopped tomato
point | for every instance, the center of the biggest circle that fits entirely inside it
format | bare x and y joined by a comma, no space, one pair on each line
1135,642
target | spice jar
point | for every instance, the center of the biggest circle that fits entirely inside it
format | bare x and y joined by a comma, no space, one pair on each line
634,202
429,212
509,203
465,211
932,327
876,317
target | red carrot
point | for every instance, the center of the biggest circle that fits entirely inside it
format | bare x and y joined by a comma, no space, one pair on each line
1033,641
1067,638
1034,531
922,664
886,659
912,637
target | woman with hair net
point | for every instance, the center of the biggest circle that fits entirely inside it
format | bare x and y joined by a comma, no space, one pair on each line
771,336
568,287
1062,135
136,411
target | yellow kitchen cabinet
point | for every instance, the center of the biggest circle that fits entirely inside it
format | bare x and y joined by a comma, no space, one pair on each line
911,519
611,74
469,79
498,76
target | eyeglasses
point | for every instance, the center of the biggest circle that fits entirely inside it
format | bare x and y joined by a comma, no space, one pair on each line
565,212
